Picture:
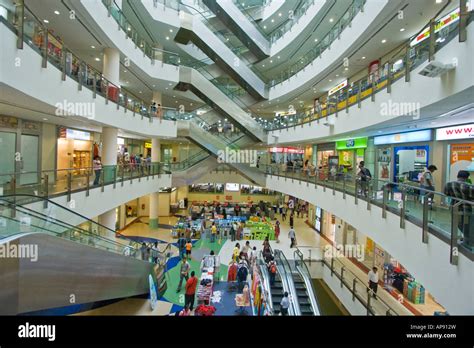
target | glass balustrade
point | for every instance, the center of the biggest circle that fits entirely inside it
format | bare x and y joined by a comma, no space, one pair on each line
450,218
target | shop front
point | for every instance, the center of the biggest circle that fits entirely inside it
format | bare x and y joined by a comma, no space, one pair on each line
350,152
282,155
402,157
19,138
75,150
323,154
459,144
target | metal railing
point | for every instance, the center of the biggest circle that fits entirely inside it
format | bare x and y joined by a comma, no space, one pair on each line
449,218
303,270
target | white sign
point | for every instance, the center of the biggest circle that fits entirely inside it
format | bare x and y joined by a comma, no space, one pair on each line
77,134
456,132
338,87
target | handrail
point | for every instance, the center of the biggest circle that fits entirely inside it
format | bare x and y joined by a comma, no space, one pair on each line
287,278
408,58
10,202
265,280
410,202
306,276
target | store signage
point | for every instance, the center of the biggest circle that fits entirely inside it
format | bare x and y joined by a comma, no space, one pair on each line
77,134
356,143
147,145
409,137
286,150
456,132
447,20
340,86
120,141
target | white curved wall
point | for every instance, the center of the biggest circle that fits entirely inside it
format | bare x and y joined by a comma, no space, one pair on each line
452,286
99,202
349,37
421,90
45,85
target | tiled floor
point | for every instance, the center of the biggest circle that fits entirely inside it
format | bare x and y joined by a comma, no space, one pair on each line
307,239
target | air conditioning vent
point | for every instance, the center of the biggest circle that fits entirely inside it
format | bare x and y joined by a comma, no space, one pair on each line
435,69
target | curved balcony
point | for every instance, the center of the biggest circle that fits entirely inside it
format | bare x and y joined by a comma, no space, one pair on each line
429,232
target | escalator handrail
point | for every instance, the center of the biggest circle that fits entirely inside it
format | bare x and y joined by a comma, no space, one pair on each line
265,281
306,276
131,241
287,278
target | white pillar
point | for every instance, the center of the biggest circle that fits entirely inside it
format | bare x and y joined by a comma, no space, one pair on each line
109,146
111,66
108,219
154,197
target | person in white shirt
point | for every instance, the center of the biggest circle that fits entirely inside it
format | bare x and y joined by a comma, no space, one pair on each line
292,236
284,304
373,281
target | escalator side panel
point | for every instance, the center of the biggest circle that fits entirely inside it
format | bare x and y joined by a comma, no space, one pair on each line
67,270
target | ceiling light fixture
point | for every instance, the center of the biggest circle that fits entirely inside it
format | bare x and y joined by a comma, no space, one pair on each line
363,57
331,20
92,46
167,38
384,41
57,12
97,59
45,20
402,29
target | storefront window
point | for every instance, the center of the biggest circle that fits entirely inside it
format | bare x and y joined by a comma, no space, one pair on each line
410,162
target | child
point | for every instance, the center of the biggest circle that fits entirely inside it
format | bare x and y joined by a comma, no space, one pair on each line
189,246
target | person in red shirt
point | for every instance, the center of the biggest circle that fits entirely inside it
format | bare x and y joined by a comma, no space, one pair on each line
191,285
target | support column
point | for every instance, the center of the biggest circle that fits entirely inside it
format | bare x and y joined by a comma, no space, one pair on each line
111,67
109,152
155,196
108,220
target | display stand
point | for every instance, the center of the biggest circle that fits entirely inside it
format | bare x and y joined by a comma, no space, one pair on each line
205,288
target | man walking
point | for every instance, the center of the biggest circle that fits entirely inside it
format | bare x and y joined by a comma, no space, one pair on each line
373,281
427,183
292,236
183,273
284,304
190,286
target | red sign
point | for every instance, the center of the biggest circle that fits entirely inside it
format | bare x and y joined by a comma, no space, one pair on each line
228,198
286,150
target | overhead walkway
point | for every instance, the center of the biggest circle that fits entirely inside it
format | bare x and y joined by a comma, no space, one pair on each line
75,264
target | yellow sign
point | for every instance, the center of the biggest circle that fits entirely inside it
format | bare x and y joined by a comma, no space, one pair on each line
147,145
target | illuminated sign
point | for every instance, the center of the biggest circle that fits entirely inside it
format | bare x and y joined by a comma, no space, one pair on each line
232,187
356,143
147,145
120,141
77,134
338,87
409,137
455,132
442,23
286,150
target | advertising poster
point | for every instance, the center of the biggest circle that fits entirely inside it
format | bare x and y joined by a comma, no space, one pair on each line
462,158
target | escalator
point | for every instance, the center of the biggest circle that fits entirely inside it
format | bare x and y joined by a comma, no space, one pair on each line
64,259
299,283
302,295
199,29
248,33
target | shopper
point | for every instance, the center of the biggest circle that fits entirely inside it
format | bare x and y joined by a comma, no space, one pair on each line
292,219
144,252
283,213
277,231
373,281
182,245
97,166
236,252
213,232
189,246
284,304
245,249
461,189
183,273
364,176
190,286
272,270
427,184
232,232
292,236
242,274
155,253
